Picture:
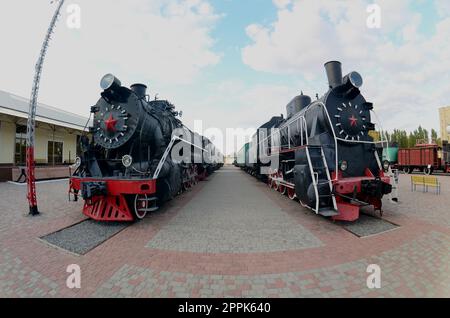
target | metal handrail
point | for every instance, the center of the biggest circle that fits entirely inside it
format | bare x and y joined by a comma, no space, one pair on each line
314,179
166,154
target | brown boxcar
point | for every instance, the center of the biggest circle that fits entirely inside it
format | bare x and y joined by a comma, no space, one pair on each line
423,157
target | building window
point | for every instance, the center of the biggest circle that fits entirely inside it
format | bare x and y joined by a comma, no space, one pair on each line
55,153
20,153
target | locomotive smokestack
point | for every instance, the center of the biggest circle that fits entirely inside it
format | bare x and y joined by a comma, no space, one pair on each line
334,73
140,90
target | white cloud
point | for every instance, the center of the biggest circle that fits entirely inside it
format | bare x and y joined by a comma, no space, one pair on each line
405,71
282,4
156,42
234,103
443,7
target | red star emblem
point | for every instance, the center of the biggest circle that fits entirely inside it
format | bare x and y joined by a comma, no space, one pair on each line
110,123
353,121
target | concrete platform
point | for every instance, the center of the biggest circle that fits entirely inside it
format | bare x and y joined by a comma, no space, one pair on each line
230,236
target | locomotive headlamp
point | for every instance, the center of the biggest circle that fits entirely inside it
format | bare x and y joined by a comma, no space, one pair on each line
109,81
127,161
355,79
351,85
386,165
344,165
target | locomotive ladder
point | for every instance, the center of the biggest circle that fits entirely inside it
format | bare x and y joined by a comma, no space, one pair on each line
318,166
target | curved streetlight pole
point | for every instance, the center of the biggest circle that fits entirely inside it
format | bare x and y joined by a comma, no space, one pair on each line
31,181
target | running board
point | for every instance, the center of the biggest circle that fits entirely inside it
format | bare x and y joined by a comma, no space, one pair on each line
328,212
353,200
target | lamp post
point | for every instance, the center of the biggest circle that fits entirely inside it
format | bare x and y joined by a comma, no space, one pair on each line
31,181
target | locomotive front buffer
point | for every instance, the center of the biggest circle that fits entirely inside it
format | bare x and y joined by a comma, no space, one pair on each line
115,200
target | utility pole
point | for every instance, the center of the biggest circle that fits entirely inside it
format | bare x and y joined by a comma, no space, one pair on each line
31,180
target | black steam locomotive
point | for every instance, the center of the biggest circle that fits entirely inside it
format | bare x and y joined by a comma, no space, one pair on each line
128,167
322,154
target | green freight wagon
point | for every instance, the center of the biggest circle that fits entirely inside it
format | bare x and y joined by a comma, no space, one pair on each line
242,156
390,154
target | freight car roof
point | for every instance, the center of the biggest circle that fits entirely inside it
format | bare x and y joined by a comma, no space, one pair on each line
17,106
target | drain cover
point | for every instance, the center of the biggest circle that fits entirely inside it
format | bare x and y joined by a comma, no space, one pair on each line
85,236
368,225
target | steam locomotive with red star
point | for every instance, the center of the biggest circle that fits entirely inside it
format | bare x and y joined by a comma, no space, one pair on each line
127,167
322,154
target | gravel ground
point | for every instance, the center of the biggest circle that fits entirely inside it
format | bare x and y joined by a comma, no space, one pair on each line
368,225
85,236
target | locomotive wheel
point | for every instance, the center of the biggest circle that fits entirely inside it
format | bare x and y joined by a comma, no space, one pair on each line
186,185
291,194
428,171
140,206
275,185
194,174
407,170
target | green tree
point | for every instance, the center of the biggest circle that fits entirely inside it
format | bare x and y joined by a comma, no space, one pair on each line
400,137
406,139
435,137
411,140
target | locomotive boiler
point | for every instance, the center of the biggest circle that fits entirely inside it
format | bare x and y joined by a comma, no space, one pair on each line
324,154
127,168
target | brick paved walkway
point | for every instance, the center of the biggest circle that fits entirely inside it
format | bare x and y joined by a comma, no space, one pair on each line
232,215
252,243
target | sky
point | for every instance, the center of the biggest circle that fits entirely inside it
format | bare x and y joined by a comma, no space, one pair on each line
234,63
